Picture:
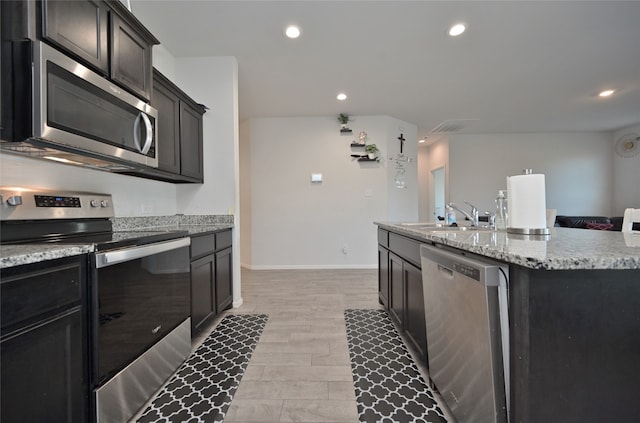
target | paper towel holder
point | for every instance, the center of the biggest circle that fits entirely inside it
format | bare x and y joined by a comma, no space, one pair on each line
528,231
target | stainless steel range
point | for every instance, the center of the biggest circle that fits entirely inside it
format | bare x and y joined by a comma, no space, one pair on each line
139,291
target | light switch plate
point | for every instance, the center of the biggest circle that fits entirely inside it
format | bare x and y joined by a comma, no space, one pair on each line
316,177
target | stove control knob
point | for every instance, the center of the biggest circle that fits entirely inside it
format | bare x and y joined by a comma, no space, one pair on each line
94,203
104,203
14,200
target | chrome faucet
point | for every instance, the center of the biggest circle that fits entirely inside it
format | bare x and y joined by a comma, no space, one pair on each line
473,216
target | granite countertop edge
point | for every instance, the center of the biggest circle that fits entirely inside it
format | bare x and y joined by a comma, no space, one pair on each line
564,249
17,255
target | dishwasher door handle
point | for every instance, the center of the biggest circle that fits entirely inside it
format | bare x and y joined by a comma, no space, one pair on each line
448,273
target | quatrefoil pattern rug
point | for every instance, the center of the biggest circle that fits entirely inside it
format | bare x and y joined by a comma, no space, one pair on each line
388,384
202,389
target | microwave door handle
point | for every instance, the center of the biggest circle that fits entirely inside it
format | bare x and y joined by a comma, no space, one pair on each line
149,133
144,149
136,132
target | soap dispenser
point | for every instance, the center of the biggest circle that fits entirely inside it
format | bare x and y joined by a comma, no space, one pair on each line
450,216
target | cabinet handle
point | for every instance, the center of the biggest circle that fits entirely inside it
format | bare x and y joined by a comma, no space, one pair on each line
156,329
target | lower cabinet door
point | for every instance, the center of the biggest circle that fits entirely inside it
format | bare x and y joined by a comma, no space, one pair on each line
383,276
415,323
224,279
396,290
44,372
203,295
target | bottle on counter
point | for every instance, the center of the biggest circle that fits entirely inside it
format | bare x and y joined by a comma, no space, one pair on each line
450,216
501,211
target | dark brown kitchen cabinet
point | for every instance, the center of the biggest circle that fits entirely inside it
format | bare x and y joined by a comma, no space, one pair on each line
103,35
43,342
166,101
224,296
383,276
400,282
203,294
191,139
131,63
179,141
396,290
211,277
415,326
80,28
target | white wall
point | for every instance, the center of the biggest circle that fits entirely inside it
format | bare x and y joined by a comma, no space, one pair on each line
578,169
626,176
131,196
213,81
299,224
402,202
245,194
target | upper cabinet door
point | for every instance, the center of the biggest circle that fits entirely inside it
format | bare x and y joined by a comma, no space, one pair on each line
79,27
167,104
191,141
131,58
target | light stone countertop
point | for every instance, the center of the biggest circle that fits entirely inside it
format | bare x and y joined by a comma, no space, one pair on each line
563,249
16,255
124,228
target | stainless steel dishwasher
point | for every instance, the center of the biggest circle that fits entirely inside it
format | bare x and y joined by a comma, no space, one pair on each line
465,300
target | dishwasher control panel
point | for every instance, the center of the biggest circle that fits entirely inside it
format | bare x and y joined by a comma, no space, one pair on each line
469,271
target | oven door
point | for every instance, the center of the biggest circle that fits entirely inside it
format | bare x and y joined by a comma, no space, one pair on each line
139,295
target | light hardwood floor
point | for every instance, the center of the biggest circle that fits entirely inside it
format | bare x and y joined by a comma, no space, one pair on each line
300,370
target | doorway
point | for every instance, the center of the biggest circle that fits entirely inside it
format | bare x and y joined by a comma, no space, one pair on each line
437,189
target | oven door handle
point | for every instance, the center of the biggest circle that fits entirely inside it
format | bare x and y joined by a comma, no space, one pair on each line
110,258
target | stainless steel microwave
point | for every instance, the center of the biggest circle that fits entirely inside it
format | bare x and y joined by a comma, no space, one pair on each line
64,111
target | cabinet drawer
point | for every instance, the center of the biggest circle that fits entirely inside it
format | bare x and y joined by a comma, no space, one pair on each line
45,289
383,237
202,245
406,248
223,240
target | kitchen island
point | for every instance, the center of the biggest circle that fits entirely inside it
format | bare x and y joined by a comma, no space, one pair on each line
574,314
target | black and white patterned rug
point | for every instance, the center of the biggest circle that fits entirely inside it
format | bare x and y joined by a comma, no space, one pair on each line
202,389
388,384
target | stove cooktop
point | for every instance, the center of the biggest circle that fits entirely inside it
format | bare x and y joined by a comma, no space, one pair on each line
35,216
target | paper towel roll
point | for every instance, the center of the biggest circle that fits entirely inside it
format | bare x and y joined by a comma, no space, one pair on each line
527,202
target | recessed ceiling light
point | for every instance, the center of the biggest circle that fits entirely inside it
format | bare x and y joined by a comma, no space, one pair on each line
341,96
292,31
422,140
457,29
606,93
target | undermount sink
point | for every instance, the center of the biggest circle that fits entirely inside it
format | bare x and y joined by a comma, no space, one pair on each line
441,227
458,229
463,228
422,225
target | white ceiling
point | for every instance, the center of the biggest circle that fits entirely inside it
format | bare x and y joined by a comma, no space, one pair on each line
522,66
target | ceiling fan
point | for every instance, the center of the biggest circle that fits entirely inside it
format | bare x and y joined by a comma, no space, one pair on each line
628,145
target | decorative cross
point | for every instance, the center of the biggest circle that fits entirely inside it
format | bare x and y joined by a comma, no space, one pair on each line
402,140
